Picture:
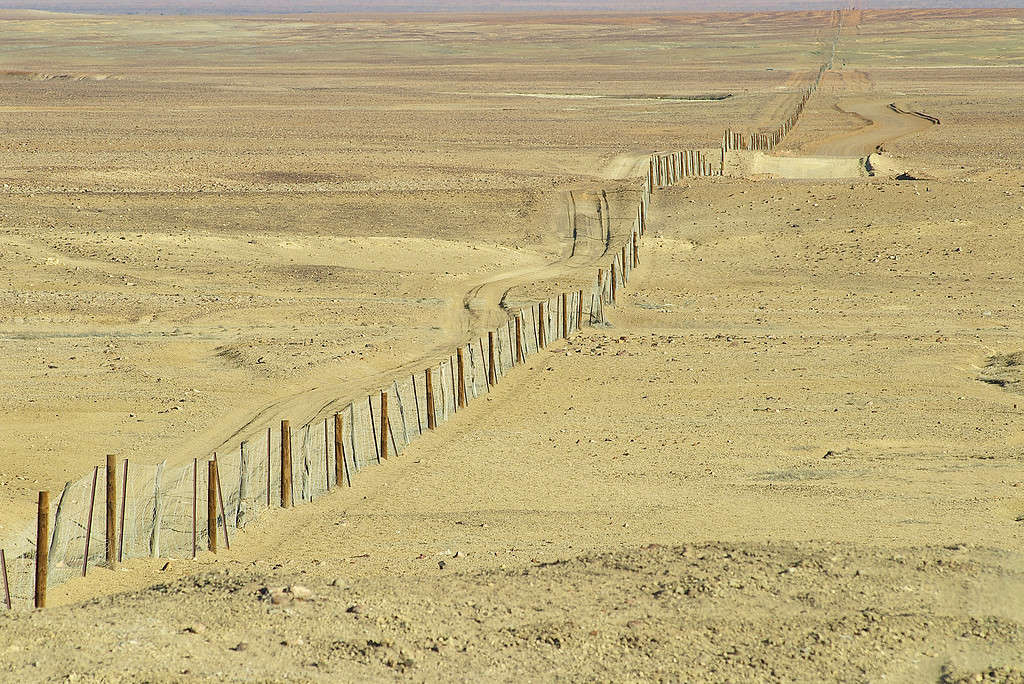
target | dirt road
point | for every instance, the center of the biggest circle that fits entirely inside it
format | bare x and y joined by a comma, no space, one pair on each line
882,123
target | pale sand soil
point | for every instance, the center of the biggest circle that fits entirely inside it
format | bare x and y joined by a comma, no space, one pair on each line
700,612
809,398
208,218
765,384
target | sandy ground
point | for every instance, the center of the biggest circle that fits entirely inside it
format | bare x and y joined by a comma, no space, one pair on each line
214,223
808,400
795,455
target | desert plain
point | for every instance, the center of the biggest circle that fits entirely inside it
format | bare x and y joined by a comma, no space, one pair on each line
794,453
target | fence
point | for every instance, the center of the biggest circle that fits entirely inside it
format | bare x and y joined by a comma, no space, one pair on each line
128,510
179,511
769,139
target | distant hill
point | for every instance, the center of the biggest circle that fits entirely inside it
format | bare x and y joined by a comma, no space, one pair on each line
389,6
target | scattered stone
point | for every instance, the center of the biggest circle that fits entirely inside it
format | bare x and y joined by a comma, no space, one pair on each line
356,609
241,646
441,564
300,593
197,628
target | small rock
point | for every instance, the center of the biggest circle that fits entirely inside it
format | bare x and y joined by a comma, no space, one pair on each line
300,593
459,554
441,564
279,597
356,609
242,646
197,628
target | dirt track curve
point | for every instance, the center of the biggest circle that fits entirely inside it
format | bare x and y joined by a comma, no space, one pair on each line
595,219
883,123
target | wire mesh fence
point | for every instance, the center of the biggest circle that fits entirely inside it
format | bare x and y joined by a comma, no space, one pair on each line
158,510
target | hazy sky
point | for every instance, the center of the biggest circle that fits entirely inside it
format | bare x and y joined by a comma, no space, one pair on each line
268,6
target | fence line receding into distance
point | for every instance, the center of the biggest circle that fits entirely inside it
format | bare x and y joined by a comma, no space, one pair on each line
155,510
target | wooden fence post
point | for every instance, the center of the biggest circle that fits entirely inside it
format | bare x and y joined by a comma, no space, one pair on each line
340,464
124,502
542,333
268,468
565,317
613,283
373,427
431,422
220,497
416,401
7,583
455,387
483,362
42,548
286,464
211,504
327,457
492,373
195,504
579,312
384,424
519,338
111,522
460,355
88,521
